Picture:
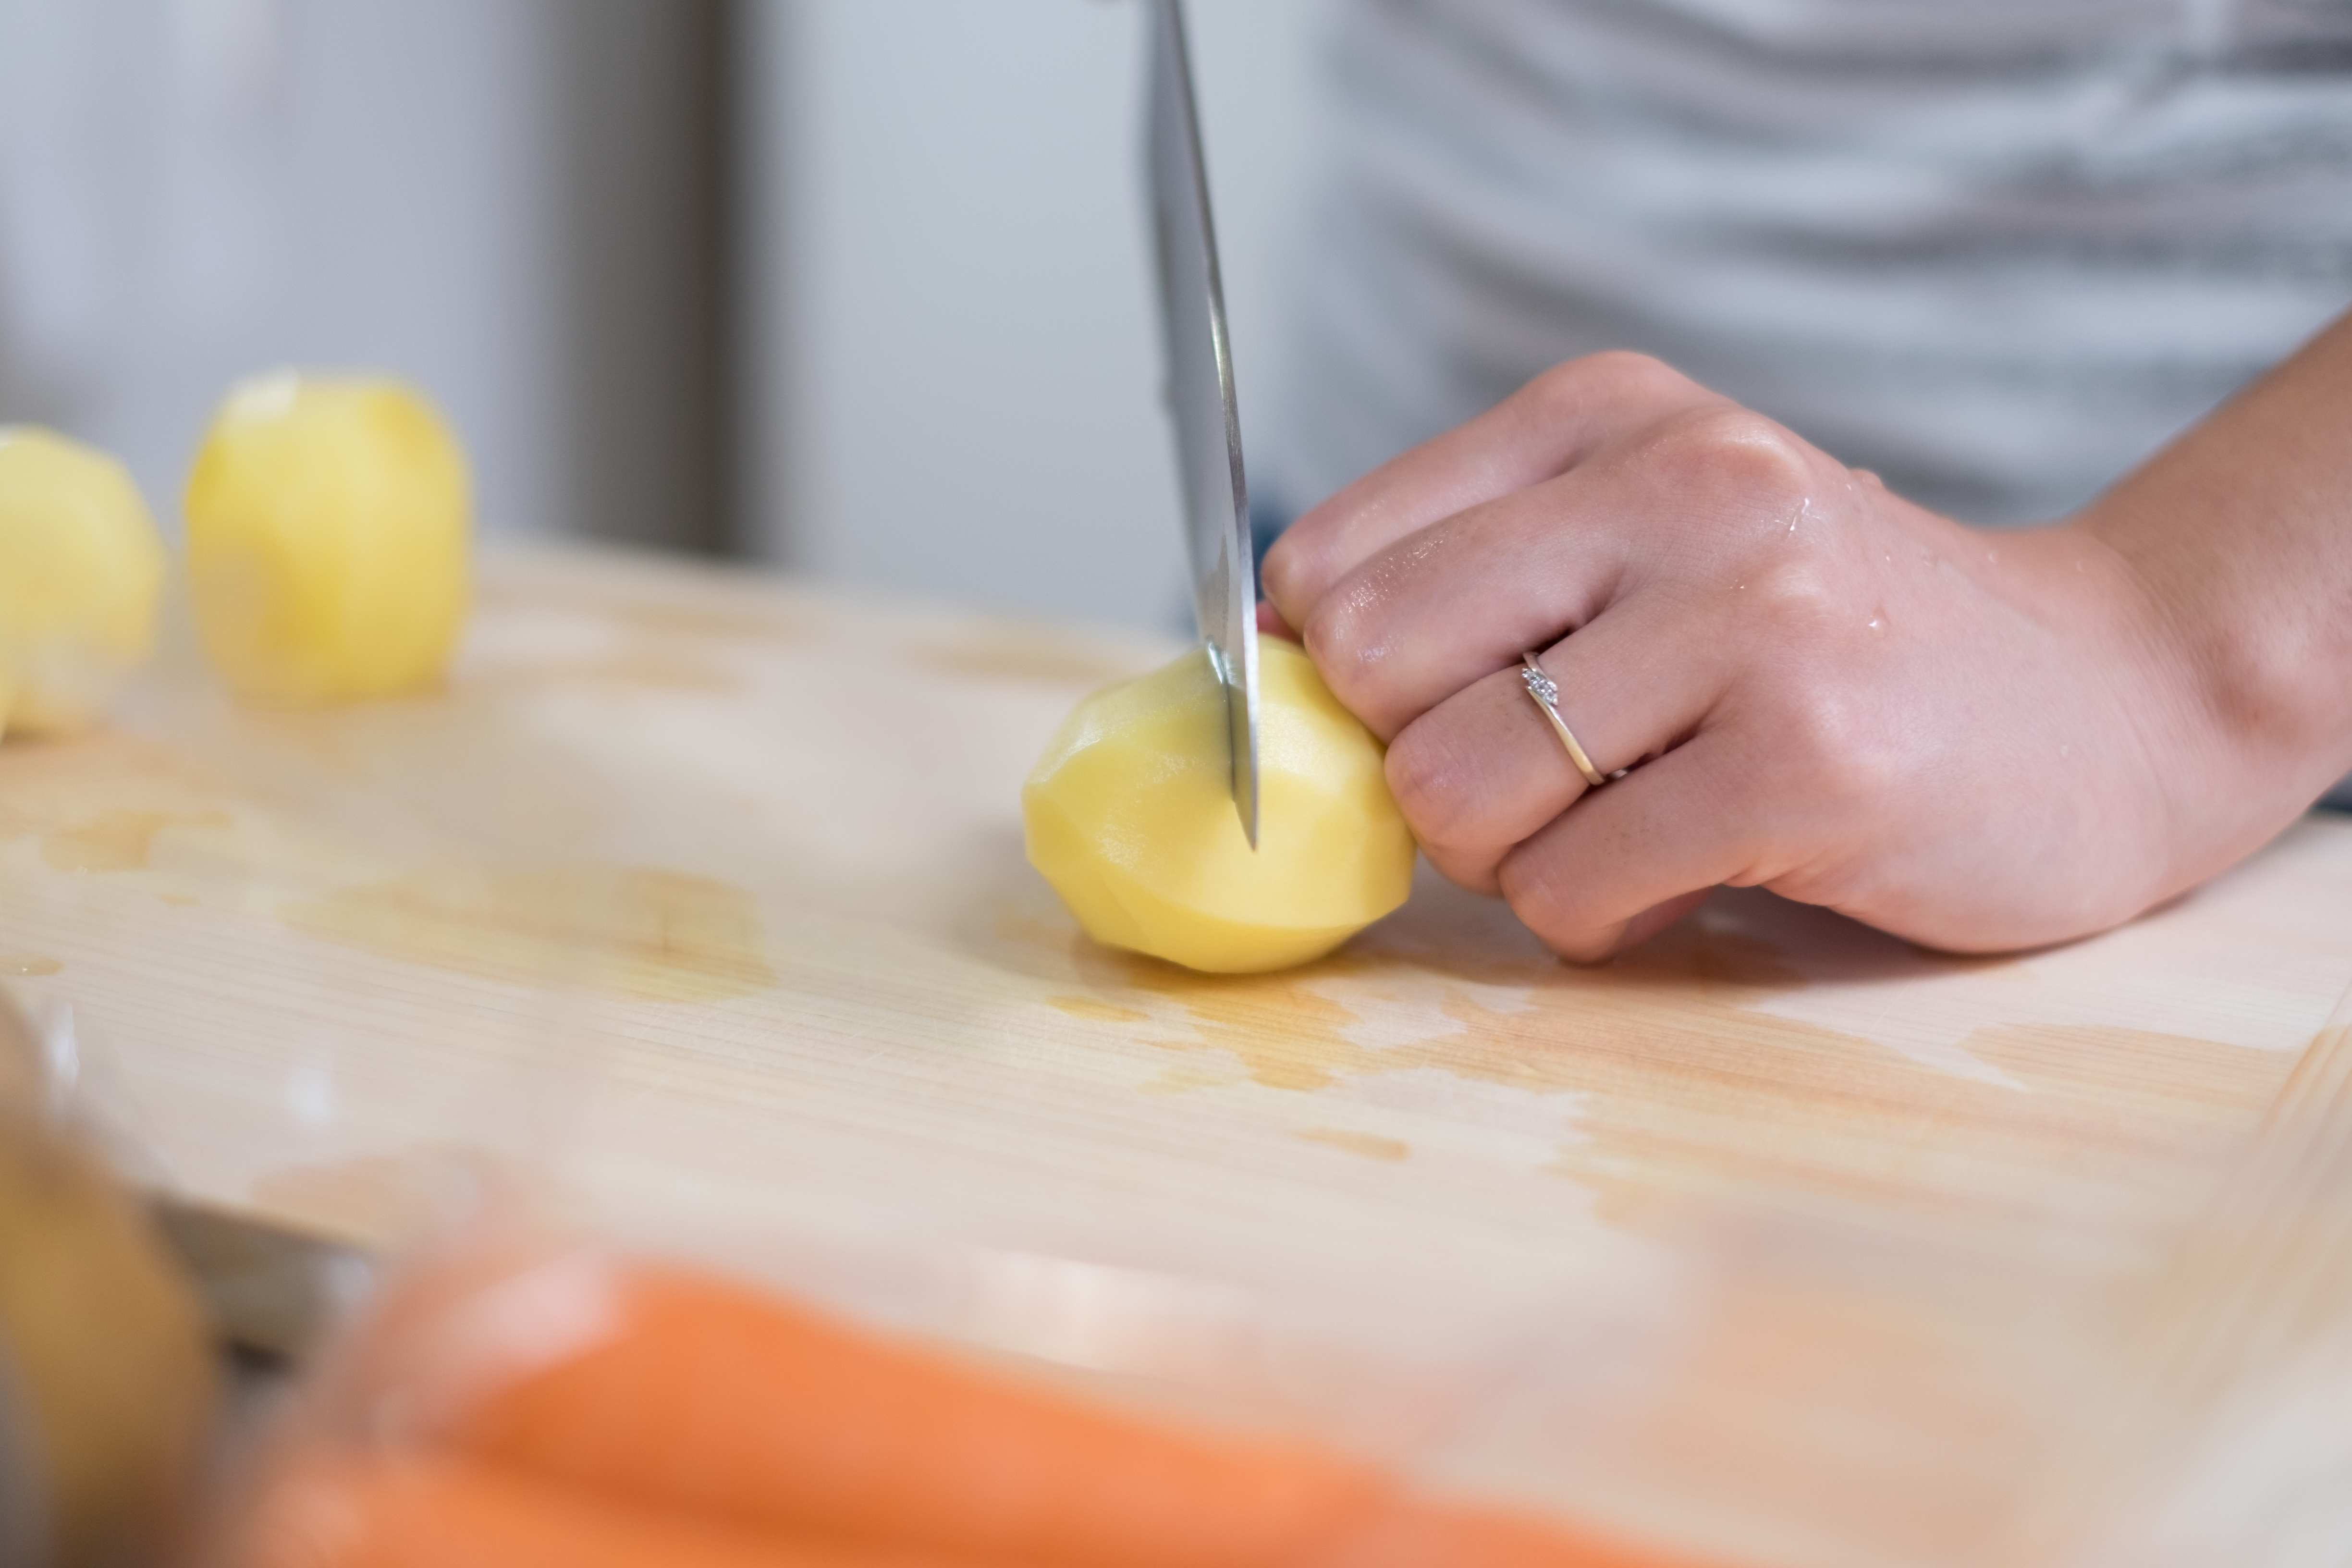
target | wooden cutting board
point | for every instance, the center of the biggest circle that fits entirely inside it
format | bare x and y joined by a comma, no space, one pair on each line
705,894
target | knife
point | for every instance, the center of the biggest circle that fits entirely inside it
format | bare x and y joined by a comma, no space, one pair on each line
1200,394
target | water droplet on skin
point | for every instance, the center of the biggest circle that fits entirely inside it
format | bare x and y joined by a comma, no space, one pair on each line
1876,623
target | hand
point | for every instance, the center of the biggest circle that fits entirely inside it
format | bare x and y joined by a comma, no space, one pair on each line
1976,740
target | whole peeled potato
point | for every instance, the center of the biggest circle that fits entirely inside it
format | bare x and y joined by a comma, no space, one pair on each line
80,568
1130,815
328,531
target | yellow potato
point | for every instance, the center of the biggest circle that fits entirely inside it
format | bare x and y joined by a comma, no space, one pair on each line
329,525
81,568
1130,817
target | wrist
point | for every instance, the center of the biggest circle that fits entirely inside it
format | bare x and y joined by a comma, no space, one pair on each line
2258,676
2241,532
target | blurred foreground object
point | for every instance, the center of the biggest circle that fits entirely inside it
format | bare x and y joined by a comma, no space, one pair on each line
80,568
106,1377
328,523
269,1290
579,1410
1129,814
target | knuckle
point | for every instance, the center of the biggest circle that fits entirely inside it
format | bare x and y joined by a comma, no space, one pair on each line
1542,898
1796,598
1630,374
1474,869
1292,573
1613,375
1436,784
1835,750
1346,638
1735,456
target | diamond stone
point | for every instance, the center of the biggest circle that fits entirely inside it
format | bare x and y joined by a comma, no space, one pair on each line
1540,686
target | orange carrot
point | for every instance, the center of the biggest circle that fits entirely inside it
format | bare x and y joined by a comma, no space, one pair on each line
1420,1534
412,1511
710,1397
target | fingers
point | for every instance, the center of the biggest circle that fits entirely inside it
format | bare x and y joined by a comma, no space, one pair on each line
1484,770
1647,924
1701,497
1619,517
1632,858
1540,431
1464,597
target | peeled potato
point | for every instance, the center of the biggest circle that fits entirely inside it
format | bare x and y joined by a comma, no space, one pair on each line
81,568
1130,817
328,523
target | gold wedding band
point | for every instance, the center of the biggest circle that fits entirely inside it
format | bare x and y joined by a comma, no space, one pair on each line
1545,693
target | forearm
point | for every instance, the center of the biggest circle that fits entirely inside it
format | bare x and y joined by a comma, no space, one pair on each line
2241,535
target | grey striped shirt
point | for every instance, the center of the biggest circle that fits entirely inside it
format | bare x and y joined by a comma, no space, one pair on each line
1998,252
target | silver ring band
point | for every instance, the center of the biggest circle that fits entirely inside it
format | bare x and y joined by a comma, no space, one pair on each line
1546,692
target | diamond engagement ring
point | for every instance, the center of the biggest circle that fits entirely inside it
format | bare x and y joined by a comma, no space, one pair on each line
1546,692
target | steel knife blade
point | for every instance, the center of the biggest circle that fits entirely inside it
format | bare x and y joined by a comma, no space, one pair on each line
1200,393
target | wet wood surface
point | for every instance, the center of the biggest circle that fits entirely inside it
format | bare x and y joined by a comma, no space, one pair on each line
702,897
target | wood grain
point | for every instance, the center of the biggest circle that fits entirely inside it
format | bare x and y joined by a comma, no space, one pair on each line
705,896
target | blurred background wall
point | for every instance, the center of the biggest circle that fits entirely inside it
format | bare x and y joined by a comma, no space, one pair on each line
191,190
858,287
